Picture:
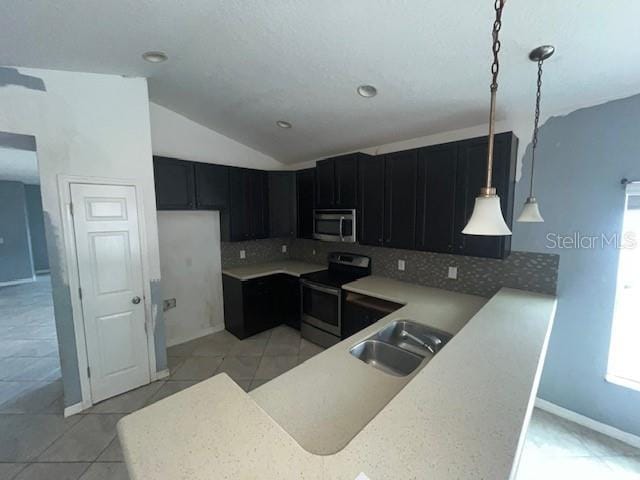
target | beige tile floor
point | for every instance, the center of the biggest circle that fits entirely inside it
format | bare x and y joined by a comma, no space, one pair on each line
36,442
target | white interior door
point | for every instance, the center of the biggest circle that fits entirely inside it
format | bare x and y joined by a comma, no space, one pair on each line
107,238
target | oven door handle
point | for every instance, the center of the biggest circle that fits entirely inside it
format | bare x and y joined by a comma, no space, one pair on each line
340,227
313,286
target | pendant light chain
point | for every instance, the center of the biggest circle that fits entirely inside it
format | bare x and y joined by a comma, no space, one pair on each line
488,190
534,140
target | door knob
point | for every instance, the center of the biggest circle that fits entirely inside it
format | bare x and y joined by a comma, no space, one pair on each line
135,300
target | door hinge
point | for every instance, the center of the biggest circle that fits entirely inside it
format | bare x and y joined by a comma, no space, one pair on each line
71,209
80,292
145,327
88,371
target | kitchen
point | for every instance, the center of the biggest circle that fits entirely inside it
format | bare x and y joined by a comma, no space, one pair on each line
292,246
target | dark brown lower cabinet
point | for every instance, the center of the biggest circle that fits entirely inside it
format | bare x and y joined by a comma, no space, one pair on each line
359,311
253,306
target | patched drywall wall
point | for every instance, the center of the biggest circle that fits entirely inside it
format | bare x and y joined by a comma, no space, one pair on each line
191,273
580,160
36,228
93,126
16,262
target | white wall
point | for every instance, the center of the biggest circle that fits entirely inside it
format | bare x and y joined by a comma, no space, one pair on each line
173,135
89,125
191,273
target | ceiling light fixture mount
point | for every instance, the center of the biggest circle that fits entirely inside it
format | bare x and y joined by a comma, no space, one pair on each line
367,91
155,57
531,211
486,218
284,124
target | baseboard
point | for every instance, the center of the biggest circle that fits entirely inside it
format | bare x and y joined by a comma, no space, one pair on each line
603,428
161,374
193,336
42,272
18,282
73,409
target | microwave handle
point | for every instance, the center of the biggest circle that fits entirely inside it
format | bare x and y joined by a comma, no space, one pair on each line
341,234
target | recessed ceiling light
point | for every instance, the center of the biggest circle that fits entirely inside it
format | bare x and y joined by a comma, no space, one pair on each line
367,91
155,57
283,124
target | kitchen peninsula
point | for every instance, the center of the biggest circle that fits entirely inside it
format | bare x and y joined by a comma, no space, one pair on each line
442,422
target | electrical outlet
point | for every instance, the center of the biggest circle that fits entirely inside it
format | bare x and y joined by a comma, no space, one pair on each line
314,251
284,249
453,273
243,254
168,304
401,265
1,240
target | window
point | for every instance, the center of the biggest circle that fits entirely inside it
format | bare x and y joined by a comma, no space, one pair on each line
624,352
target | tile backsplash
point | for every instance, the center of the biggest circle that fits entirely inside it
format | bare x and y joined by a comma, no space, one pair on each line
256,251
537,272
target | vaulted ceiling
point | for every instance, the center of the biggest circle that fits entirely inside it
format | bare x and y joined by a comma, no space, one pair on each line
239,66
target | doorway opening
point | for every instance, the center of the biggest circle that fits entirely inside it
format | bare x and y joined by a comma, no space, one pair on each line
30,376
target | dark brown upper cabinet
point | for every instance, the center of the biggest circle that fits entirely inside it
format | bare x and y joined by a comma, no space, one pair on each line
248,212
471,174
174,182
371,219
306,196
435,211
282,204
337,181
212,186
400,199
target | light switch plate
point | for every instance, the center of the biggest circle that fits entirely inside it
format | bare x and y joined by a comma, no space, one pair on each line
1,240
453,273
314,251
284,249
401,265
243,254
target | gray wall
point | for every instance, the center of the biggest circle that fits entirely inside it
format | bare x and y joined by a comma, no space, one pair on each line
36,227
15,250
580,160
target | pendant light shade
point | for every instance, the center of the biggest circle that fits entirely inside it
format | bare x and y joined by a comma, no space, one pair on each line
531,212
487,218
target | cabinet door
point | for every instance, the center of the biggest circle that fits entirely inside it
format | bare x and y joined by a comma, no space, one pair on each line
371,218
212,186
282,204
258,200
306,194
174,184
325,184
289,296
435,212
239,224
472,166
346,181
259,302
400,199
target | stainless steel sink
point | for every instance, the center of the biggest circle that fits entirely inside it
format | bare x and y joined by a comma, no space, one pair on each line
414,337
400,347
386,357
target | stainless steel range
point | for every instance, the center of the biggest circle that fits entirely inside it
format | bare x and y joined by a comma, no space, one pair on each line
321,296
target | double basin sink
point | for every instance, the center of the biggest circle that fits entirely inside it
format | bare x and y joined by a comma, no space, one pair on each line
400,347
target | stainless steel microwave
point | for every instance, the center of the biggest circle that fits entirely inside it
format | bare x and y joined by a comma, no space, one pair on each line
334,225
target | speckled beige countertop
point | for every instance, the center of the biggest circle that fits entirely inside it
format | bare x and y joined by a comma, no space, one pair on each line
460,417
291,267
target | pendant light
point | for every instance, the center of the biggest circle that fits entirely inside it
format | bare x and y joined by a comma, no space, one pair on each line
487,218
531,211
